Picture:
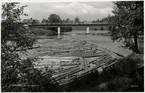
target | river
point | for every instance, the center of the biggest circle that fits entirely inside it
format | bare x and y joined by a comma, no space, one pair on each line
104,41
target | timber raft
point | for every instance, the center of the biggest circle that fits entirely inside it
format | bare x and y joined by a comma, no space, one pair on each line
77,58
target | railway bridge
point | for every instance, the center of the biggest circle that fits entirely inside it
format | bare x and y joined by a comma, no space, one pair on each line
85,26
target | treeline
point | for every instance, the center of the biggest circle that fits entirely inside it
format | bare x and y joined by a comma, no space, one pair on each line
55,18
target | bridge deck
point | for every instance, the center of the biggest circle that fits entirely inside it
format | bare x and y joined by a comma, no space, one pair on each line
71,24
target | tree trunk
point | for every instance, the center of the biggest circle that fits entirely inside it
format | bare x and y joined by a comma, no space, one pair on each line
136,44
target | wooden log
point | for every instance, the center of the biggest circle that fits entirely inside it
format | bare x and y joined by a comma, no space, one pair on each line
63,75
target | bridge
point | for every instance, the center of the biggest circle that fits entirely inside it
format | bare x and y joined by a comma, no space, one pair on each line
86,26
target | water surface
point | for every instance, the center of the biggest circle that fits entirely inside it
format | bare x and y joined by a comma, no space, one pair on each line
101,40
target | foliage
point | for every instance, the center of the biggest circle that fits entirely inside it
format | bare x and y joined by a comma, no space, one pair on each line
66,29
14,36
127,23
97,21
45,21
77,20
82,83
43,31
68,20
120,83
54,18
101,28
16,72
119,78
12,30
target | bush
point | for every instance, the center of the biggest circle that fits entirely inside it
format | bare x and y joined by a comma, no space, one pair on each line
43,31
102,28
119,84
82,83
95,29
126,66
66,29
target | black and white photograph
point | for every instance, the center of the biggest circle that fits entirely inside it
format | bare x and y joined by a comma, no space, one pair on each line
72,46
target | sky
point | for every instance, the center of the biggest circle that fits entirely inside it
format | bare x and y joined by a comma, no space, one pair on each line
86,11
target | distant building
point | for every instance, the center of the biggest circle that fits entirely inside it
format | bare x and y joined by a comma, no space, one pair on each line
30,21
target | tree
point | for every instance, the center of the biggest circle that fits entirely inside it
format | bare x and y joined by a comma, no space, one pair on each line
93,21
77,20
68,20
98,20
14,36
63,21
54,18
44,21
128,23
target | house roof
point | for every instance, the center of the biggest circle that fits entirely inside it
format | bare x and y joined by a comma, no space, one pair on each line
29,21
36,21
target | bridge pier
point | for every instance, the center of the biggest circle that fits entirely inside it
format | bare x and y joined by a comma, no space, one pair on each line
87,29
58,30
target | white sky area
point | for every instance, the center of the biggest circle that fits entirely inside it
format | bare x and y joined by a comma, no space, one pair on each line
86,11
